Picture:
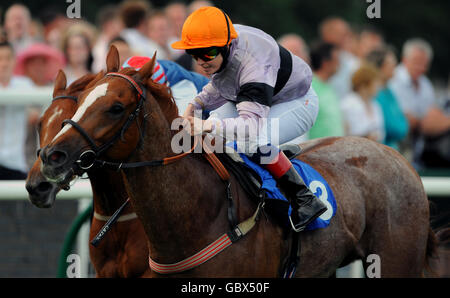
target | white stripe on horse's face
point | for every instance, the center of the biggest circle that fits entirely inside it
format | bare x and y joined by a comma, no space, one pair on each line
98,92
58,111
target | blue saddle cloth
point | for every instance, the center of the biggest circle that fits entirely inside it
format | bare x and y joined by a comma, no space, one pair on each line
312,179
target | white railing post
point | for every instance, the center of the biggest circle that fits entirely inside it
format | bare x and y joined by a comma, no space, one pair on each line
83,239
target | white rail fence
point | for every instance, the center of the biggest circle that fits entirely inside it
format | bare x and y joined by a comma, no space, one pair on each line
15,189
41,96
81,190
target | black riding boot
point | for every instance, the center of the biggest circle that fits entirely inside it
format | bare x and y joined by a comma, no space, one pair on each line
306,206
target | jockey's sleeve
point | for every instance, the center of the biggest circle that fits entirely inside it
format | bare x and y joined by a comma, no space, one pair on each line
208,97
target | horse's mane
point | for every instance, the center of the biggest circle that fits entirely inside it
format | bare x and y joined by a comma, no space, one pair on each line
81,83
161,93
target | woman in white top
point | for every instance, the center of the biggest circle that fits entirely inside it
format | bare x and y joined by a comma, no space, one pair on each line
362,114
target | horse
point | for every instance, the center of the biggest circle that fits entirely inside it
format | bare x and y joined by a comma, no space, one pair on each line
125,119
123,253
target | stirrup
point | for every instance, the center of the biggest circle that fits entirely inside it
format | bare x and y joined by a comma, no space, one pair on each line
297,230
290,150
305,225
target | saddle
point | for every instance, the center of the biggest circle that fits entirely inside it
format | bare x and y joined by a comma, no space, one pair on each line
251,182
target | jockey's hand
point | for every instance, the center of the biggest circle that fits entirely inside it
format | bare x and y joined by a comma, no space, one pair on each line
199,126
189,111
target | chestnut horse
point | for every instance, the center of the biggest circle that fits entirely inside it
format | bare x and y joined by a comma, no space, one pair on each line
123,252
382,208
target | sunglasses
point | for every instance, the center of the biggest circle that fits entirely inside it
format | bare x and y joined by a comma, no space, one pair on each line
205,54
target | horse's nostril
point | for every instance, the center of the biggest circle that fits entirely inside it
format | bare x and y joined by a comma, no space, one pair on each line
44,187
57,158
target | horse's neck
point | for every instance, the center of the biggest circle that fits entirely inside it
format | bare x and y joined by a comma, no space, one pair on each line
108,191
178,204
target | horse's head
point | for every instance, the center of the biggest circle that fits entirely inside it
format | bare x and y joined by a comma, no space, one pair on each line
64,104
108,122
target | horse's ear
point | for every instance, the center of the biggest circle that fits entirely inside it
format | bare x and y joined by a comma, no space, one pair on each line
60,83
112,60
146,71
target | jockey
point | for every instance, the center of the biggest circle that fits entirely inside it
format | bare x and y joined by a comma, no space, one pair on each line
184,84
253,79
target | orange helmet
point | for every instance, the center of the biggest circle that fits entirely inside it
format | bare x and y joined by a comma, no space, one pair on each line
206,27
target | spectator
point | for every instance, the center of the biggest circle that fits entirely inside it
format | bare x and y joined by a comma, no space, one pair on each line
36,31
196,4
395,123
361,112
336,31
177,12
415,91
159,31
77,46
13,120
415,94
134,15
54,24
369,39
40,63
296,45
324,63
108,20
123,48
17,27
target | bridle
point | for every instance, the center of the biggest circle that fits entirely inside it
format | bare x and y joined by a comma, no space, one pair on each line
89,158
74,98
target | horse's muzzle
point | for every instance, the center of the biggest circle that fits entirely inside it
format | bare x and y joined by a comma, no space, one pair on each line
42,194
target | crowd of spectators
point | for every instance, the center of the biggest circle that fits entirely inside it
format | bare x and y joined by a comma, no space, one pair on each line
362,88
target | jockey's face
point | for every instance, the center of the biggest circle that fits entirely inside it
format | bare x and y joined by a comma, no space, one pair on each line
210,67
208,59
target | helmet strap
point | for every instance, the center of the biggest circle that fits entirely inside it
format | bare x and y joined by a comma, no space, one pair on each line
228,27
225,52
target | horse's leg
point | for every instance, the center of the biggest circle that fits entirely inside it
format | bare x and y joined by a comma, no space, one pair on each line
398,232
394,254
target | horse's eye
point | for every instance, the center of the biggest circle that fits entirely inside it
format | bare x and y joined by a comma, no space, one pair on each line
116,109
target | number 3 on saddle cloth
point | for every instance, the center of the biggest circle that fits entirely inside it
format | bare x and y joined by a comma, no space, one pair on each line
276,203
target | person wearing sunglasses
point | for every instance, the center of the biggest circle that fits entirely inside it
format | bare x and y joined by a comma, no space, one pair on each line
257,85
